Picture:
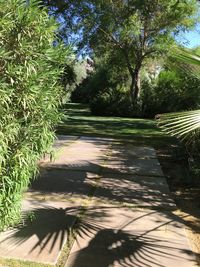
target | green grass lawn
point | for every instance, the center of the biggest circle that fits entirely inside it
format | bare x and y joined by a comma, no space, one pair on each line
78,121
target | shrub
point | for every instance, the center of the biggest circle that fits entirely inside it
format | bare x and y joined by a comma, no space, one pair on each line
173,91
114,102
92,86
74,75
107,74
30,69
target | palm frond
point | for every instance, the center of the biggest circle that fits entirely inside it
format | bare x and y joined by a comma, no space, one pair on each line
181,124
187,56
188,60
184,125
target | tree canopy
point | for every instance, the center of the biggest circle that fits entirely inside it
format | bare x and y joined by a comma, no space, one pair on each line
138,29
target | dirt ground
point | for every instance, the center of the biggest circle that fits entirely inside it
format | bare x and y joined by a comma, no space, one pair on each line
185,190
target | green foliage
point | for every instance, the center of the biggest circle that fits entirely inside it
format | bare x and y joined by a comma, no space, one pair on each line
186,125
81,73
93,85
173,90
115,102
135,30
30,70
108,75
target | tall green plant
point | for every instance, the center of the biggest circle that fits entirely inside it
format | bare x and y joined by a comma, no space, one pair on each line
30,93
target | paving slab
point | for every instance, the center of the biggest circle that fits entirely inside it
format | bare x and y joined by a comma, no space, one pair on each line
63,140
139,191
132,159
143,152
117,236
42,237
43,234
112,235
98,139
60,142
144,167
87,155
58,184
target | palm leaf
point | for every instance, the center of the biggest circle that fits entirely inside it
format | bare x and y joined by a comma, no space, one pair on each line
184,125
189,59
181,124
187,56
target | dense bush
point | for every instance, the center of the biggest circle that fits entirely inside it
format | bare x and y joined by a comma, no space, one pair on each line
73,76
92,86
107,73
114,102
173,91
30,94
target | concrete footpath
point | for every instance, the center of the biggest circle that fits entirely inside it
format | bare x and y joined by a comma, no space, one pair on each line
129,221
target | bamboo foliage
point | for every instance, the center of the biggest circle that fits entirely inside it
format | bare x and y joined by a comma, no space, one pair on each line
30,94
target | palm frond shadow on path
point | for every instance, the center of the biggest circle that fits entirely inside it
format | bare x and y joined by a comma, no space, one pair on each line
124,247
50,225
107,245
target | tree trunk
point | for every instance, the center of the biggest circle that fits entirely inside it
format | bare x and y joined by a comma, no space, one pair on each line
135,85
135,77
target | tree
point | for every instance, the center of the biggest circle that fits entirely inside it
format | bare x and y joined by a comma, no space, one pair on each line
138,29
30,74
